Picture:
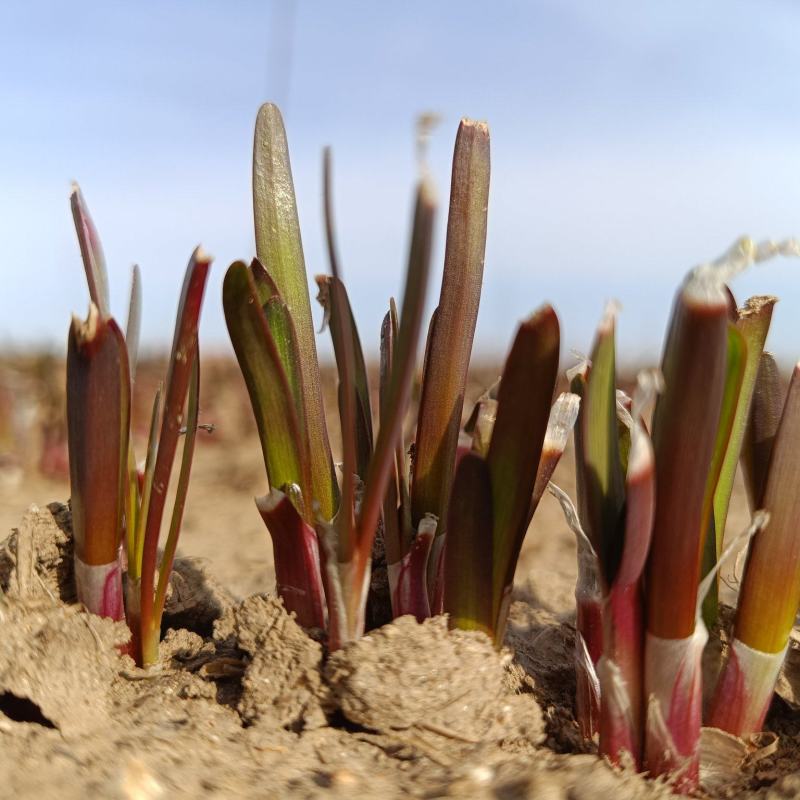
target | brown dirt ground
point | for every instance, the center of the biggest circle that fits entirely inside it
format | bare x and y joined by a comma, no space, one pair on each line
245,705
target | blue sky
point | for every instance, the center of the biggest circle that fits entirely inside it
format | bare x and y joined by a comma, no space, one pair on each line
630,140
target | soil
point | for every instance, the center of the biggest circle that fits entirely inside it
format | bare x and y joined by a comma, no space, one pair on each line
245,704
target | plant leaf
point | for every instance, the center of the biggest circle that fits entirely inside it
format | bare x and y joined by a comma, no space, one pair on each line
98,420
280,250
762,426
136,546
753,323
452,330
468,590
179,374
94,261
333,298
684,434
408,579
523,410
734,372
171,545
393,543
603,479
282,446
296,556
134,323
770,590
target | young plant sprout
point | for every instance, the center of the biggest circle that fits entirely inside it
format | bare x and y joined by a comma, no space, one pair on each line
117,522
708,376
322,534
616,481
324,577
647,671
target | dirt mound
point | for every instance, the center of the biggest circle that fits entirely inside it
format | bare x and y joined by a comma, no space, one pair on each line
243,703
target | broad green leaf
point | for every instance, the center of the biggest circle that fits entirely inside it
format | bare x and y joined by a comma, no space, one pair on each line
279,248
282,445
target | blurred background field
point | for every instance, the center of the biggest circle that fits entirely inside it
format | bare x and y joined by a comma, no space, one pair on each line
221,524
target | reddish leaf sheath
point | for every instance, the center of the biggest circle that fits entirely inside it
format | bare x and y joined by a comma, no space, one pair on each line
620,669
589,624
408,579
297,564
588,650
98,415
182,489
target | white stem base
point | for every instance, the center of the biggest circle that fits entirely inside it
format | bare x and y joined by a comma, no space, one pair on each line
745,688
100,588
673,684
